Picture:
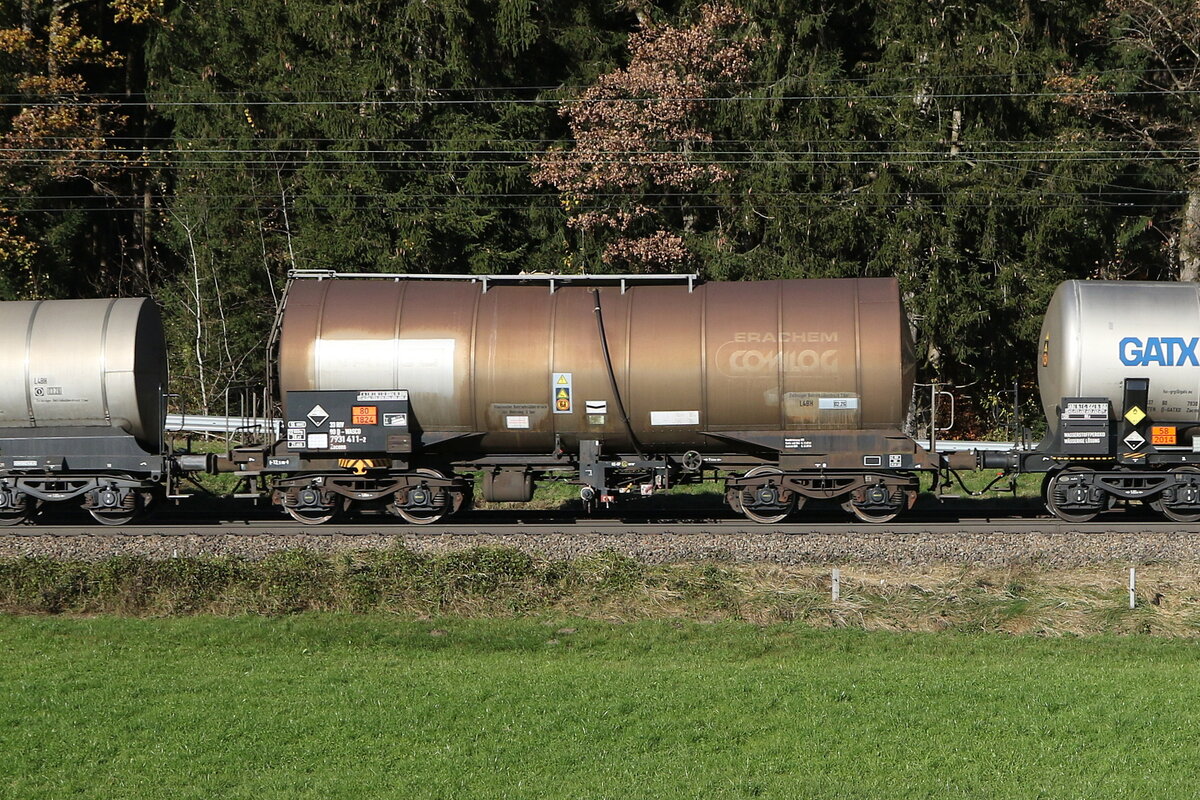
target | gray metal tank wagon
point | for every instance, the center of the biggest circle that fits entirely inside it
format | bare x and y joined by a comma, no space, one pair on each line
1119,378
82,406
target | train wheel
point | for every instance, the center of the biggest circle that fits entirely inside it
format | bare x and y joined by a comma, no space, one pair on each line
311,516
878,503
13,516
311,509
765,519
112,517
873,516
17,508
1063,498
441,503
112,506
1188,510
1174,514
768,508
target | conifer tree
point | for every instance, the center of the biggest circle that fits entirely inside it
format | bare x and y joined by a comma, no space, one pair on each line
1147,90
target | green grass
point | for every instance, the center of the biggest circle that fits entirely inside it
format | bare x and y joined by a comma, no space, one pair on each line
334,706
1028,484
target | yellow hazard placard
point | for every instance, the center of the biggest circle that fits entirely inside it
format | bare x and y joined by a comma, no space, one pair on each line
560,390
1135,415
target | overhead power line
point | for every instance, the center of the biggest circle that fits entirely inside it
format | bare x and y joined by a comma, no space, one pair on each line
184,141
113,153
814,203
436,101
830,80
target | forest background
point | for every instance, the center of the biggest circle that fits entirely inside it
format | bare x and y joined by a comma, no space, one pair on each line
979,152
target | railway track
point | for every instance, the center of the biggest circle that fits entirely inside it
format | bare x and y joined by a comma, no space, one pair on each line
221,518
518,528
973,536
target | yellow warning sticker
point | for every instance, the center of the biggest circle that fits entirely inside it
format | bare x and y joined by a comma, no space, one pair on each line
560,390
1135,415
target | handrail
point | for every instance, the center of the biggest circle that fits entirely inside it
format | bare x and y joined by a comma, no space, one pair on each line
622,280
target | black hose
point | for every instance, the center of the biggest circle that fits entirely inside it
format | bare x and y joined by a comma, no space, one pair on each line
612,376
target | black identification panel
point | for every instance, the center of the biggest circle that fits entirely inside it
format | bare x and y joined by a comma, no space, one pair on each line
336,422
1085,426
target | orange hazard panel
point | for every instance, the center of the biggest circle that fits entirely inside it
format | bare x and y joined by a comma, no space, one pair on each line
1162,434
364,415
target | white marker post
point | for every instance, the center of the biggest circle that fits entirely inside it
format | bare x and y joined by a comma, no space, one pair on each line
837,584
1132,587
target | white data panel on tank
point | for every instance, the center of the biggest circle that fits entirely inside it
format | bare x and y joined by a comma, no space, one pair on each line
423,366
674,417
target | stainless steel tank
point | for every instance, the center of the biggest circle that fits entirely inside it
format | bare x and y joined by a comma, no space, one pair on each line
1098,333
89,363
522,363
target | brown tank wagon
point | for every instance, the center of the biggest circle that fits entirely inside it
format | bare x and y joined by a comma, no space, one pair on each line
794,389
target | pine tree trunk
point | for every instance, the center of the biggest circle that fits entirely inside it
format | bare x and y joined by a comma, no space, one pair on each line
1189,235
27,27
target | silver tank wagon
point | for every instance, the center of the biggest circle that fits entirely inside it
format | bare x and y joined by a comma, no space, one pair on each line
82,387
1119,374
83,363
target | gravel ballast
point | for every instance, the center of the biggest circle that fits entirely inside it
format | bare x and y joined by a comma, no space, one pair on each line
932,546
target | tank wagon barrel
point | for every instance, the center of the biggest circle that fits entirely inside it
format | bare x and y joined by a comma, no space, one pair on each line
517,367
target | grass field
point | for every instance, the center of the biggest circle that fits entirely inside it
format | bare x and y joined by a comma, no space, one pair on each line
339,706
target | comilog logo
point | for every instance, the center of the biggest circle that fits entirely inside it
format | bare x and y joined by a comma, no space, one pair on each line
1165,351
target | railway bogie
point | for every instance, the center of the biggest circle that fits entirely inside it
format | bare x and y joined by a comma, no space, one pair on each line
419,496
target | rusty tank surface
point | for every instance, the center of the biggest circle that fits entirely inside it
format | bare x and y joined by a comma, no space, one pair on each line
526,367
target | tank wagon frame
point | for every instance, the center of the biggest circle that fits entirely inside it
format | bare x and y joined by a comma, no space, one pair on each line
557,382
